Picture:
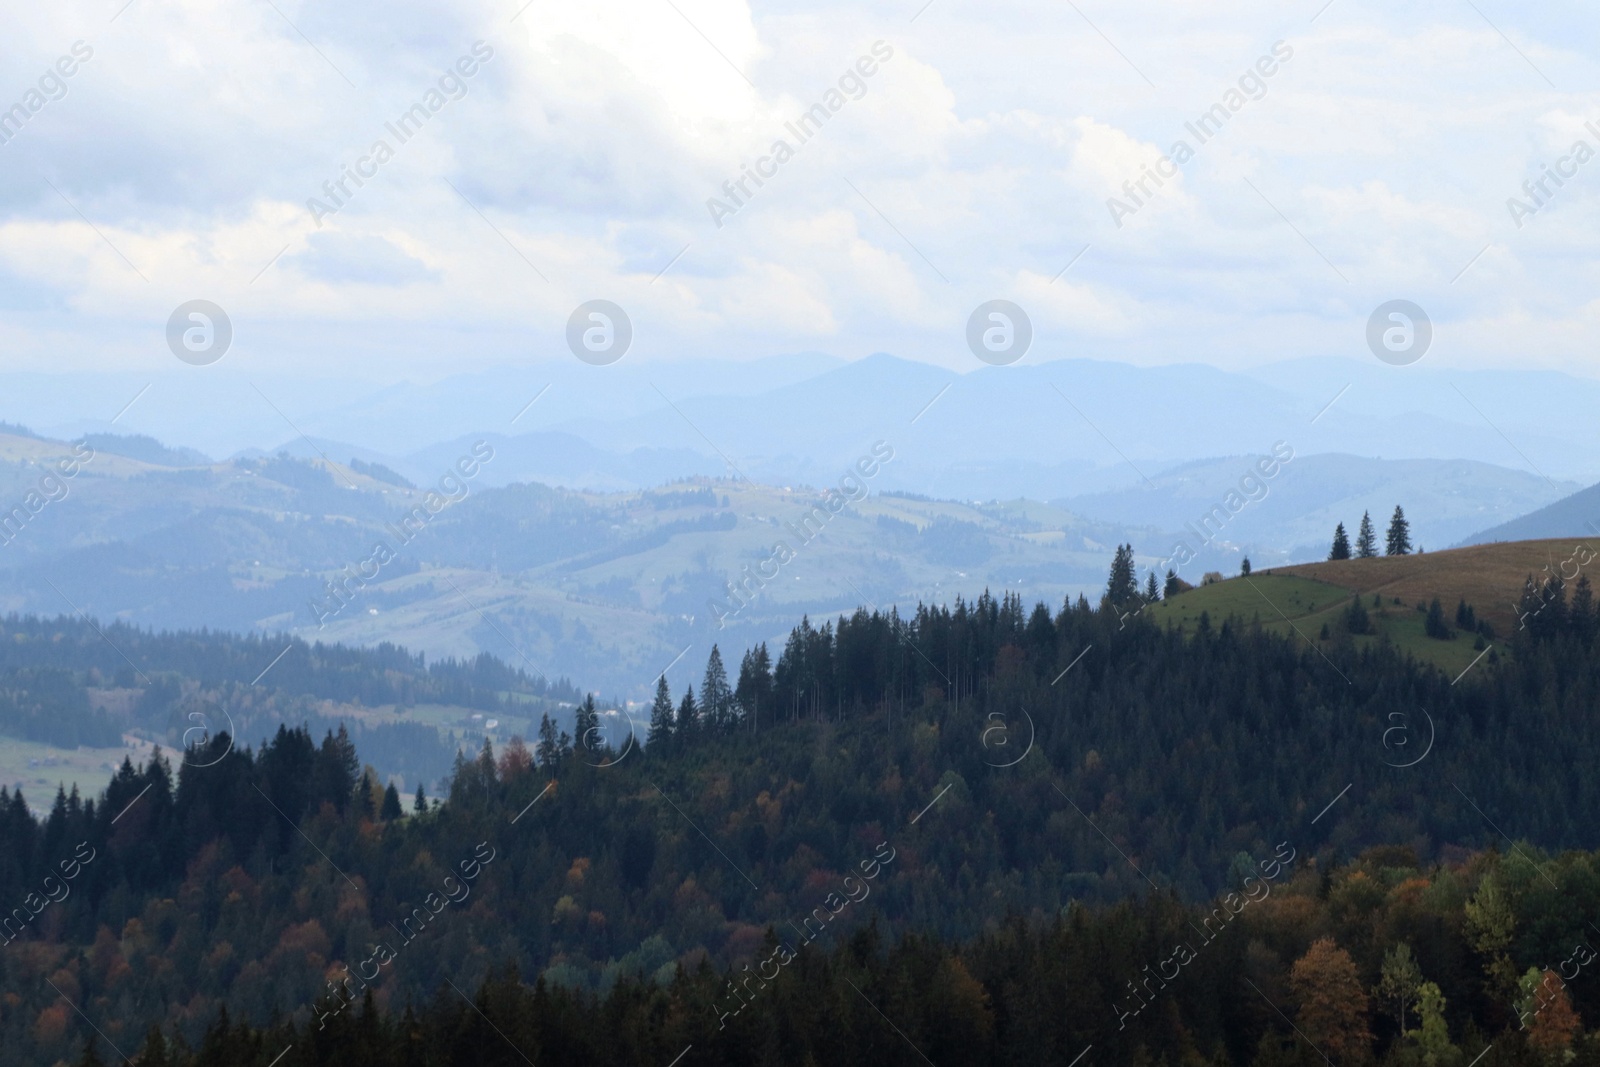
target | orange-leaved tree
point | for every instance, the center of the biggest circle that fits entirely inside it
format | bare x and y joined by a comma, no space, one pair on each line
1333,1006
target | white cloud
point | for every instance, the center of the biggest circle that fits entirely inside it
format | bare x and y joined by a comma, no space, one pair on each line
988,144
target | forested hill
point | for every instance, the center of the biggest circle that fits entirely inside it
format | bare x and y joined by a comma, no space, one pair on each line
68,682
384,674
1012,762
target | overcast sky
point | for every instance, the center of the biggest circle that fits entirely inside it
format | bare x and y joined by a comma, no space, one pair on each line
976,162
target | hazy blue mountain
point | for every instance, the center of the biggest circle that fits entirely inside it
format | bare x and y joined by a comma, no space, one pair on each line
1045,430
1577,515
1296,511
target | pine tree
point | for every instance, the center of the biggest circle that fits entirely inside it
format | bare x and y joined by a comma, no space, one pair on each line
754,691
1174,585
1123,586
716,699
391,804
364,807
547,751
1341,543
688,723
91,1056
586,732
1580,615
335,770
1356,620
660,715
1366,539
154,1053
1151,593
1434,625
1244,567
1398,541
420,804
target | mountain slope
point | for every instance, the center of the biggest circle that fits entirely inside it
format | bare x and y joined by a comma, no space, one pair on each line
1577,515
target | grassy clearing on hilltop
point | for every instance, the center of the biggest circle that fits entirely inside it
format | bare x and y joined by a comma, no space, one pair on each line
1304,598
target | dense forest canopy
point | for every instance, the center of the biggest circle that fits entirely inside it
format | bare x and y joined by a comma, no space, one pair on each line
994,822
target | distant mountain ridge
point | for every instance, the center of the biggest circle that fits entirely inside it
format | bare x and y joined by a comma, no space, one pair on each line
1577,515
610,585
1042,429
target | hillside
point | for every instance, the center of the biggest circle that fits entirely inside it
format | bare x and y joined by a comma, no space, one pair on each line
993,771
1577,515
608,586
611,587
1301,600
78,697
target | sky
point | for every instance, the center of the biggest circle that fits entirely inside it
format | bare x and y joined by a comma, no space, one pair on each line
984,158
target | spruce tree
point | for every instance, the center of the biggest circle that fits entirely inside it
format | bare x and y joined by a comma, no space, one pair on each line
1366,539
716,699
154,1053
420,804
1151,593
754,690
547,751
1580,615
688,714
1174,585
660,714
1123,586
1341,543
1356,620
1398,542
391,804
586,731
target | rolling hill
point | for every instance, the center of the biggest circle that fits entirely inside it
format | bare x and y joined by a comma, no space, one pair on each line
1577,515
1303,598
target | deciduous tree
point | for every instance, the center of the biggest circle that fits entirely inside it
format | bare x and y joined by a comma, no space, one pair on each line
1333,1006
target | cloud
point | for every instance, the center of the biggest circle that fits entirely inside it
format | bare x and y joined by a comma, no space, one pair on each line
358,259
976,164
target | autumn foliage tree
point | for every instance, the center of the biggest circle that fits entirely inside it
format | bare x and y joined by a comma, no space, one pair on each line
1333,1006
1547,1015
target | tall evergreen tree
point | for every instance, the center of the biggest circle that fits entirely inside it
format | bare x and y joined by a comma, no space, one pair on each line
1174,585
1151,592
154,1053
1398,541
547,751
754,691
1434,624
335,770
688,715
420,804
391,804
716,699
1341,543
1580,614
1123,586
660,715
587,736
1366,538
